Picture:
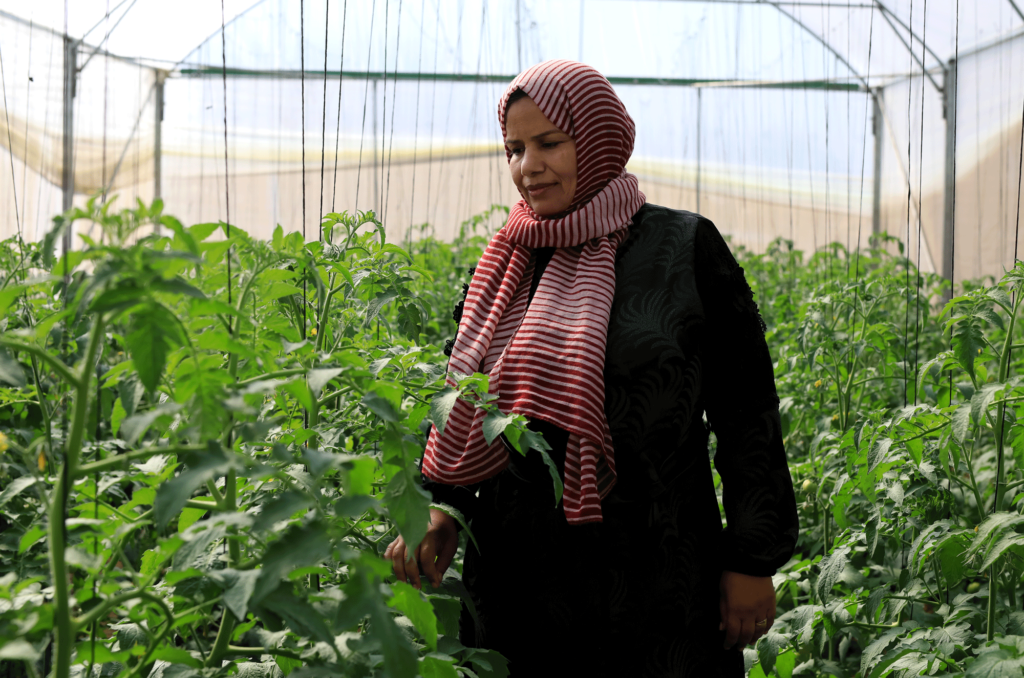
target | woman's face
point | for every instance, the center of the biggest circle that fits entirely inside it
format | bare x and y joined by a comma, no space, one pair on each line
543,158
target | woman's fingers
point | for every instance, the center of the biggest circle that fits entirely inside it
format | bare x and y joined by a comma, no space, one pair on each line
746,631
448,549
396,551
412,570
733,629
760,629
427,553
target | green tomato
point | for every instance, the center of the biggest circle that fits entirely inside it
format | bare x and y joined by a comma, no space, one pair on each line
973,587
809,486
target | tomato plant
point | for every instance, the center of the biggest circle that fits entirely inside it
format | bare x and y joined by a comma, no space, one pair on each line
208,442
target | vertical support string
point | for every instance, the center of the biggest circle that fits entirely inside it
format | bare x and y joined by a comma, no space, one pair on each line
10,146
394,99
906,314
227,188
920,193
366,95
864,154
341,80
323,118
416,125
302,95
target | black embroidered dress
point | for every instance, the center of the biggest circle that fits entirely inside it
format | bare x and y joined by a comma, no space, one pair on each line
637,595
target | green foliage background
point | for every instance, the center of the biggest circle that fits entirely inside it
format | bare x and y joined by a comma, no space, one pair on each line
209,440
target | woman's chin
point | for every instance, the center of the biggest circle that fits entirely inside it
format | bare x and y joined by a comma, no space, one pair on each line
547,208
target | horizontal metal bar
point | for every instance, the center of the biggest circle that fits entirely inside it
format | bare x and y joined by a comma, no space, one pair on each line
214,72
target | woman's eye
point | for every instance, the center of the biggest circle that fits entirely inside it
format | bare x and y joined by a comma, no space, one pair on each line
551,144
516,151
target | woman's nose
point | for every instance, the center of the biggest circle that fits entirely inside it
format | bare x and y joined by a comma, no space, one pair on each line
532,163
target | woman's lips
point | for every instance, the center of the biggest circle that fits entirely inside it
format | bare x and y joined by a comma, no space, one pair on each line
537,190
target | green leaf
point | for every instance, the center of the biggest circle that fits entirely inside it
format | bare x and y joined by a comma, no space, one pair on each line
879,452
298,614
16,487
556,478
409,505
414,605
441,407
768,648
279,289
134,427
388,247
376,304
19,650
11,372
31,536
434,667
283,507
301,546
968,342
300,390
381,406
399,656
961,422
494,424
831,568
785,664
952,560
117,415
317,379
188,517
152,336
171,496
949,638
238,589
997,664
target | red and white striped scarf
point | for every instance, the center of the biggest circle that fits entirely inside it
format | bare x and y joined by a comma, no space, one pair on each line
547,361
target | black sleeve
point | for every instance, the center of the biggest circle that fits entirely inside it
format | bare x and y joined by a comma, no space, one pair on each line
742,408
462,498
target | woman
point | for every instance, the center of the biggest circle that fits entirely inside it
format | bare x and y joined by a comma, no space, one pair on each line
613,325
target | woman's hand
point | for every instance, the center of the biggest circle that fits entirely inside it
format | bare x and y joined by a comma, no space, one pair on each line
434,554
744,601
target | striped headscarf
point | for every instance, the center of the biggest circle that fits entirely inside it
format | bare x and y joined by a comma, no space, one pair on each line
547,361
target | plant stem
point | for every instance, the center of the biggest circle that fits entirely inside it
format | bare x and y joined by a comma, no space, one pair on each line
64,633
113,462
1004,363
227,620
37,352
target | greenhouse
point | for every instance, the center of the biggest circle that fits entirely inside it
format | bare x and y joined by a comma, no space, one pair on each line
230,236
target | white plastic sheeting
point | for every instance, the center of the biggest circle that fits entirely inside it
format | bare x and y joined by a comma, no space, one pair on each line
763,116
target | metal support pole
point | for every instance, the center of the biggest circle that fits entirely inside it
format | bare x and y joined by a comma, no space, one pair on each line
878,129
158,119
68,169
698,147
949,113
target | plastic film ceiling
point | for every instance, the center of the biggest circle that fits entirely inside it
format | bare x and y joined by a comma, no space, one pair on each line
760,115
